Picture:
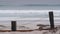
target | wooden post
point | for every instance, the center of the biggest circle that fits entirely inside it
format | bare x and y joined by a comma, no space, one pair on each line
13,25
51,18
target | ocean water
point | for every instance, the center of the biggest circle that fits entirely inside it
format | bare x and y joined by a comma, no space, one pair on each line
28,15
27,18
30,7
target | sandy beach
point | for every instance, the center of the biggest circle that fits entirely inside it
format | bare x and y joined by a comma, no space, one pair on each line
33,32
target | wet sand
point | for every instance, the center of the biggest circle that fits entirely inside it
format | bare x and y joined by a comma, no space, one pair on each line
33,32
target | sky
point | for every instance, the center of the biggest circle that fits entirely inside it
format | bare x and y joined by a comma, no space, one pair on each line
18,2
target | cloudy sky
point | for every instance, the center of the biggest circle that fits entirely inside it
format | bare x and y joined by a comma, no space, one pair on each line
17,2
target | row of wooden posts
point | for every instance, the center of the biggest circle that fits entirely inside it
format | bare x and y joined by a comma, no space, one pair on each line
51,18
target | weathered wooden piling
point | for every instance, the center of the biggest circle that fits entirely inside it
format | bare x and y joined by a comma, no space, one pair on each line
51,18
13,25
